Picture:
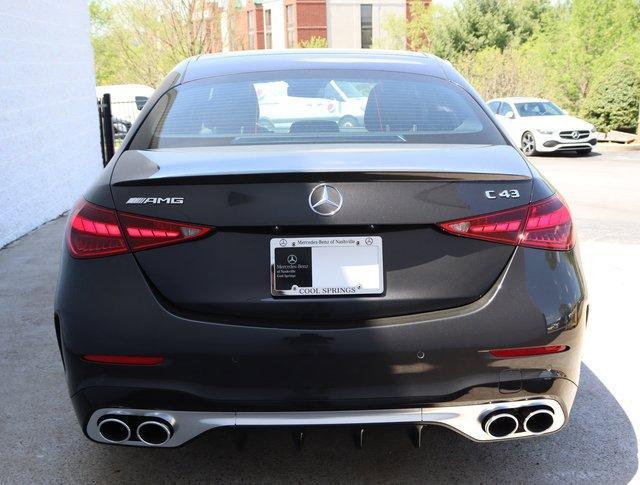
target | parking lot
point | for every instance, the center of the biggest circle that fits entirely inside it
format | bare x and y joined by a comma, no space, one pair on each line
42,442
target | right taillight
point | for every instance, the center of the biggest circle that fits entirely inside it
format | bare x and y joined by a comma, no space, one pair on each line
545,224
548,225
95,231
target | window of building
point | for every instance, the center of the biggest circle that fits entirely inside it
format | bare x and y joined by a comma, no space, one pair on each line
366,25
251,29
291,26
267,29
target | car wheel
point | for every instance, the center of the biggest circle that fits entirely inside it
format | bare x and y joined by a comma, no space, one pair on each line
528,144
583,152
348,122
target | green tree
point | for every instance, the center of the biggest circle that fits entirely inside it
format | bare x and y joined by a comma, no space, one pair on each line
108,62
474,25
614,100
141,40
313,43
496,74
585,39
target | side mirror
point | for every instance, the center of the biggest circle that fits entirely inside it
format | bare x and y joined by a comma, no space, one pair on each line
510,115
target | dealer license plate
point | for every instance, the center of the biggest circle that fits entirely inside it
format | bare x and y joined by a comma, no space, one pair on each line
326,266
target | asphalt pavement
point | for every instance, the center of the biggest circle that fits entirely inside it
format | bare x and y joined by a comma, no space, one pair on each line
41,442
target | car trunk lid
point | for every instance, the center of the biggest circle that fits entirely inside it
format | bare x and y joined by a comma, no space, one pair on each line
254,194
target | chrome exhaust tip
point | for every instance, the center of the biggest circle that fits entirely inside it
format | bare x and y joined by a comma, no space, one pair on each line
538,421
114,430
154,433
500,424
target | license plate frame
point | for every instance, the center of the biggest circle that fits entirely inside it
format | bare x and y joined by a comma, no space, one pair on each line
309,266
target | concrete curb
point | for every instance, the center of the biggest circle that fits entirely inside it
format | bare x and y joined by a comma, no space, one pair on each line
616,147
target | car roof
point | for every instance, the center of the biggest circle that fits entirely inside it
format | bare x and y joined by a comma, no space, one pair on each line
210,65
520,99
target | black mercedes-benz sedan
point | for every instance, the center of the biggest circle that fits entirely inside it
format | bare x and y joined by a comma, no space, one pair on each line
319,237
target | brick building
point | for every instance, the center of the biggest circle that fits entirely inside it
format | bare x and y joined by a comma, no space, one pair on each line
280,24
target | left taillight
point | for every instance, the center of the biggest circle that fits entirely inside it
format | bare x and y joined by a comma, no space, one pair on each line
95,231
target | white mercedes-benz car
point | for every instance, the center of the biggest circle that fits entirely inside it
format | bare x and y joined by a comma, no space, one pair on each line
538,125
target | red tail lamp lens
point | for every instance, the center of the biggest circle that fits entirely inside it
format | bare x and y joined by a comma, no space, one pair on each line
94,231
503,227
544,224
549,225
146,232
527,351
124,359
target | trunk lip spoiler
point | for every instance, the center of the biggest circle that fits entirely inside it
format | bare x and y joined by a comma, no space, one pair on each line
439,162
314,176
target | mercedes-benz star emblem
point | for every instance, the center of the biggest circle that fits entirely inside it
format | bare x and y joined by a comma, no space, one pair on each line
575,135
325,200
292,259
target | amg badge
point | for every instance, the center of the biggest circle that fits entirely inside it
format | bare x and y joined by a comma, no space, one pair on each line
155,200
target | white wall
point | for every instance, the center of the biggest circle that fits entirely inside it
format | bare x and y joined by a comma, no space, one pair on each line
343,20
277,21
49,135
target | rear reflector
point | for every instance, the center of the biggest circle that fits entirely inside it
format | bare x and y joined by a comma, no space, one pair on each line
545,224
124,359
95,231
527,351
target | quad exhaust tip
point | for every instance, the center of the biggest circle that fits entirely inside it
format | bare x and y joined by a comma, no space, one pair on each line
114,430
501,424
153,433
534,420
538,421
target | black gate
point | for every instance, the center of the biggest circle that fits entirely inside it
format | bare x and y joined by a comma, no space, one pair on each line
116,119
106,128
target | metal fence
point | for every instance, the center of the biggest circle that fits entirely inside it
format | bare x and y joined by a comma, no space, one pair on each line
116,119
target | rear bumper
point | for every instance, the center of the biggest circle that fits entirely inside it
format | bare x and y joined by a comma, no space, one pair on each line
420,361
469,420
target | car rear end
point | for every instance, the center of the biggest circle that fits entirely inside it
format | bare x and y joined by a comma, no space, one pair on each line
221,273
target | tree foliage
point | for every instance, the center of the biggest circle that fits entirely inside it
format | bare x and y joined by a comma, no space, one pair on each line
559,50
496,74
585,39
613,100
313,43
474,25
141,40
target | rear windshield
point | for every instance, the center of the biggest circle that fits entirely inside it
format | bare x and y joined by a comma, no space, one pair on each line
323,106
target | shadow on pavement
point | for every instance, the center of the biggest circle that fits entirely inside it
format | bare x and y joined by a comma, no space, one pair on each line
567,154
598,444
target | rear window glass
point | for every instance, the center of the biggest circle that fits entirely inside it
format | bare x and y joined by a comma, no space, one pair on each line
320,106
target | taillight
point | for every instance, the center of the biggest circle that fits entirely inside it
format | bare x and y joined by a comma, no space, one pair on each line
95,231
146,232
544,224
